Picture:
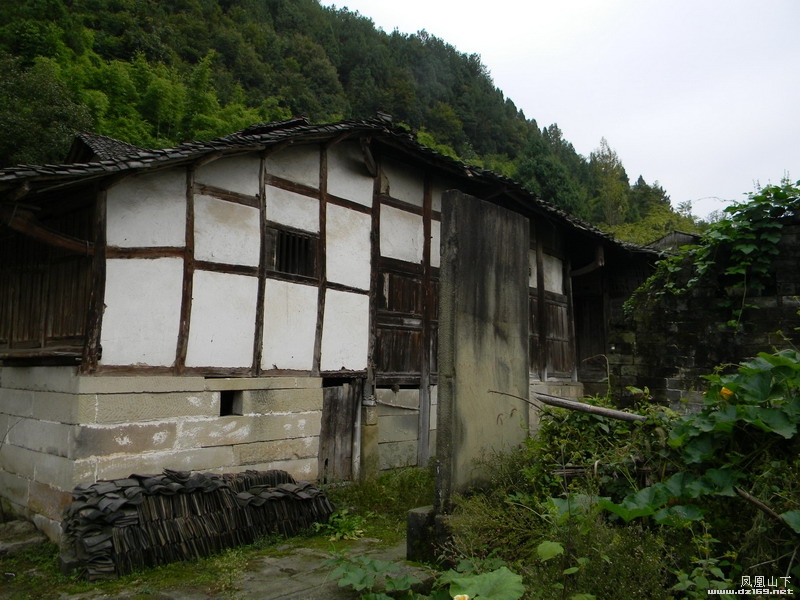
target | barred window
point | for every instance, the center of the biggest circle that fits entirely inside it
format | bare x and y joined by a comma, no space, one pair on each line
293,253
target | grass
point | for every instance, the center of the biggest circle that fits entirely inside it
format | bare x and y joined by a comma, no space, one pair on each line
377,508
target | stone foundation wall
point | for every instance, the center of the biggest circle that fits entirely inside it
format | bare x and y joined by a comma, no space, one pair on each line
398,427
59,429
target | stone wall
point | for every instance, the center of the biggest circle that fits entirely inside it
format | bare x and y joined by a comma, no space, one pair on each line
399,424
59,429
670,346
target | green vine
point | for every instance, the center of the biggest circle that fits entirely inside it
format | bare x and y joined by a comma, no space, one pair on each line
736,254
738,452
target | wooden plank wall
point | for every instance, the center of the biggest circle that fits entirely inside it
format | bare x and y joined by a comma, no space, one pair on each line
44,290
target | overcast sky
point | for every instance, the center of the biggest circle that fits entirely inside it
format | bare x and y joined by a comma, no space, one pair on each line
702,96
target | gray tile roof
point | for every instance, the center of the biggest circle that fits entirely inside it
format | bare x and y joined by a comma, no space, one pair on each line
122,157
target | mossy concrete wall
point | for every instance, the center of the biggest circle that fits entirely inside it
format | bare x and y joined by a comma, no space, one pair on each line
483,338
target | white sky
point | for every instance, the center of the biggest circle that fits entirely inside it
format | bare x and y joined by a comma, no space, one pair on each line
702,96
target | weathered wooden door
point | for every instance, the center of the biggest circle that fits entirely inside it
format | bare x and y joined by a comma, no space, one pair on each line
340,405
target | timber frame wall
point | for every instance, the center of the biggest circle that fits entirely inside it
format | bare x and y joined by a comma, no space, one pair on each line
116,291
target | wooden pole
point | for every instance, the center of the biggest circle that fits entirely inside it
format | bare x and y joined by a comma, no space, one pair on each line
580,407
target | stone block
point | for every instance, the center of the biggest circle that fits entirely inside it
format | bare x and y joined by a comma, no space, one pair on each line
132,408
260,452
14,488
398,428
562,390
55,471
247,429
262,383
48,501
400,398
104,440
421,543
47,379
50,527
138,384
196,459
41,436
16,402
84,470
281,400
629,371
62,407
302,469
397,454
369,415
18,461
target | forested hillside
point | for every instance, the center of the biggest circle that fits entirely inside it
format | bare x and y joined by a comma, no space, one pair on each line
158,73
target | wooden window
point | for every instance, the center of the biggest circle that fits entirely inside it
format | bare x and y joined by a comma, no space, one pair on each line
292,252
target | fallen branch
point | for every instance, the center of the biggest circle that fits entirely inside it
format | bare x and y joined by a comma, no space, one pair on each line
578,406
763,507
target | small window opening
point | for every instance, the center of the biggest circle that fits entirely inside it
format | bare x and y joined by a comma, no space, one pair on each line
296,253
230,403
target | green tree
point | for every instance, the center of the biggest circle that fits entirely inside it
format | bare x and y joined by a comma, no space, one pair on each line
542,171
610,201
38,114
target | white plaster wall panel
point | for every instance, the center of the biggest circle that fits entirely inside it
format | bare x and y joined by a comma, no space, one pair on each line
532,269
143,311
238,174
345,331
347,174
403,183
347,246
222,327
148,211
296,163
401,234
294,210
439,187
290,325
553,274
226,232
436,240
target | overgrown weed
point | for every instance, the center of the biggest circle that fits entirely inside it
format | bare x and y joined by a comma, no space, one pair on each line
669,507
383,501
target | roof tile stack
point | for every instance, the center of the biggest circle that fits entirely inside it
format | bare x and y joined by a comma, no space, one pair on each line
116,527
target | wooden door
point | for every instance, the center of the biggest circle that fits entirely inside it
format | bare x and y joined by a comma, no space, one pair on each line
340,405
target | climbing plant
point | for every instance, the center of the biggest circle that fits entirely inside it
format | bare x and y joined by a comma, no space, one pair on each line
735,256
734,467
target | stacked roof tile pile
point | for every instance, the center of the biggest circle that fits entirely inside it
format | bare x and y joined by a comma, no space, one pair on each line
115,527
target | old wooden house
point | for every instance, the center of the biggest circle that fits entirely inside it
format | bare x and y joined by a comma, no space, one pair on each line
263,300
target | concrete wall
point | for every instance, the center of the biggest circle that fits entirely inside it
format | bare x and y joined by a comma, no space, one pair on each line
59,429
483,337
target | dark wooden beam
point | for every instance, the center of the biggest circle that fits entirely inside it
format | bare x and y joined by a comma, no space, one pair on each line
25,222
94,319
188,278
321,261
